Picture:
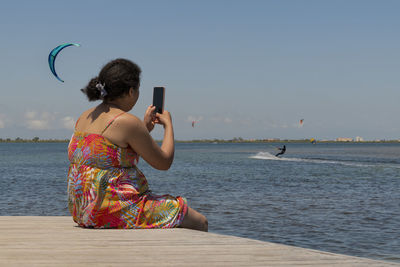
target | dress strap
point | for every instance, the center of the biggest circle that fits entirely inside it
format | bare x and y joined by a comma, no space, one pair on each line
111,121
76,123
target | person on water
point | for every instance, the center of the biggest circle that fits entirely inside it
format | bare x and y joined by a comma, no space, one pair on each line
282,151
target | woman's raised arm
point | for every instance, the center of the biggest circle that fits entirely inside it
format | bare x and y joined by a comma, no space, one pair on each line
139,138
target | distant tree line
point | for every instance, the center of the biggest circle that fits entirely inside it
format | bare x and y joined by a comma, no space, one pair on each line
33,140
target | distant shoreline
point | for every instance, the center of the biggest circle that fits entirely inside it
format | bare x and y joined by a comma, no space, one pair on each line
20,140
235,140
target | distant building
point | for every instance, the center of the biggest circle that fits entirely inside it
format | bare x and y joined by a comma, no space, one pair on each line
344,139
359,139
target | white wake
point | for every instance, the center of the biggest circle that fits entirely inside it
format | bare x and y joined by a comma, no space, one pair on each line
269,156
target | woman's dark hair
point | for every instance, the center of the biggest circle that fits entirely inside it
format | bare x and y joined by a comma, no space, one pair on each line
117,77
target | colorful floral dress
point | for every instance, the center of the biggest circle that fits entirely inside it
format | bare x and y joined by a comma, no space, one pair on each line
107,190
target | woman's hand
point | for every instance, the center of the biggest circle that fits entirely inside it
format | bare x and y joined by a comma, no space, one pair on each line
150,118
164,118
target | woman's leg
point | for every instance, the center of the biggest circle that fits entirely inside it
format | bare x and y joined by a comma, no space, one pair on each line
195,220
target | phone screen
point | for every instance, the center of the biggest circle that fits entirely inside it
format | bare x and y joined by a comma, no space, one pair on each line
158,98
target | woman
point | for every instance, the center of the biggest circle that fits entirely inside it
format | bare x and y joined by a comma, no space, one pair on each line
105,188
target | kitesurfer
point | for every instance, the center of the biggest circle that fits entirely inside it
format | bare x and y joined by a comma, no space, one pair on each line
282,150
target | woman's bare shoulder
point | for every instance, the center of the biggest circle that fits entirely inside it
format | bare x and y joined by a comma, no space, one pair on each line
129,122
86,114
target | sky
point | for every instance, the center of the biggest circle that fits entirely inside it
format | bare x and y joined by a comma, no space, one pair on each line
250,69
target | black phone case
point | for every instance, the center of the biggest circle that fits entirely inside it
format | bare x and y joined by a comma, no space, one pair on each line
158,99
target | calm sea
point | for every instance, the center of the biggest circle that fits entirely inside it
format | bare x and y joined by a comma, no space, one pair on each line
342,198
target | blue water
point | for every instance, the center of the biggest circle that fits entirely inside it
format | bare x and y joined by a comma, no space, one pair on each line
341,198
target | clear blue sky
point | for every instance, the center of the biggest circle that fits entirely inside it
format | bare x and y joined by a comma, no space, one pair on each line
248,69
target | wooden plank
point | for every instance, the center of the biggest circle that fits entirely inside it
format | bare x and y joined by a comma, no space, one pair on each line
57,241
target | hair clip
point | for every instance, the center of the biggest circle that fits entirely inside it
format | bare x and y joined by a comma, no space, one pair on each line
103,91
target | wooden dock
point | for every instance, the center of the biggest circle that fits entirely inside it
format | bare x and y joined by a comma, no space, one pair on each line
56,241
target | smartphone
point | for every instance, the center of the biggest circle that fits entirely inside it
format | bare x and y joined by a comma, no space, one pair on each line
158,98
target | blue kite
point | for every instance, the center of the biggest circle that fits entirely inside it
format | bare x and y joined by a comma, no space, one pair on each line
53,54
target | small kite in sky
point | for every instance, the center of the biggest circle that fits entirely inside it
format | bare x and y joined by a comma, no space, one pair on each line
301,122
193,122
52,57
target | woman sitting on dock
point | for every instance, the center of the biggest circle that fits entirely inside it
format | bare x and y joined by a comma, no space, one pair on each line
105,188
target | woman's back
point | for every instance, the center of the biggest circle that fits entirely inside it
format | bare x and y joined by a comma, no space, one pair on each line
102,120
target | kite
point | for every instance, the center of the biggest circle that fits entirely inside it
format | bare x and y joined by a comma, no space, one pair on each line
301,122
52,57
193,122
